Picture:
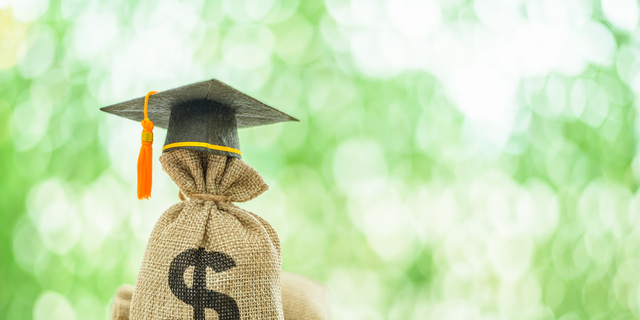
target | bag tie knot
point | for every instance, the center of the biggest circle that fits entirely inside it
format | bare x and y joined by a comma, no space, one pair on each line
205,197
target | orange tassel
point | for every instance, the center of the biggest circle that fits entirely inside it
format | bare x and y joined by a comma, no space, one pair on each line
145,159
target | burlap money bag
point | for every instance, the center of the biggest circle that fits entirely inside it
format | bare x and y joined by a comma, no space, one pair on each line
207,258
302,299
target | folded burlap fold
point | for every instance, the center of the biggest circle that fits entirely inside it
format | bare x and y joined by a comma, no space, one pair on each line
304,298
122,302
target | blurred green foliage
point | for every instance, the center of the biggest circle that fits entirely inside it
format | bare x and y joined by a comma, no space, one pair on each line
454,159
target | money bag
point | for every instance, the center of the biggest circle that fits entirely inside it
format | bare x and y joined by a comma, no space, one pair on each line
205,255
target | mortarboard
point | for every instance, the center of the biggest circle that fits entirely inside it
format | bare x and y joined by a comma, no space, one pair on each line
202,116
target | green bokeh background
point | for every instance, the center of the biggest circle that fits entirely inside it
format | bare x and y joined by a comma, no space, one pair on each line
454,159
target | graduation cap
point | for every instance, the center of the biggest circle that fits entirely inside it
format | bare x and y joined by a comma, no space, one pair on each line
203,116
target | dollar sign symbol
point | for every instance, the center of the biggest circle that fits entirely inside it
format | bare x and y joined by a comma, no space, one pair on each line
198,296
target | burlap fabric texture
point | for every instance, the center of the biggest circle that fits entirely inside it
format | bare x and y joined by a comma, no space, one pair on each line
302,299
210,259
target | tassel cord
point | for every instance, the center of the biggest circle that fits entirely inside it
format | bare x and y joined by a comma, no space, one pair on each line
145,158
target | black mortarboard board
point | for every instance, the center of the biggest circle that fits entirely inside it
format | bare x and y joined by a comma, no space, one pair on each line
202,116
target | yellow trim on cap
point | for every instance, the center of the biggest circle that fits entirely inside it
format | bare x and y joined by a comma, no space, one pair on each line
202,145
